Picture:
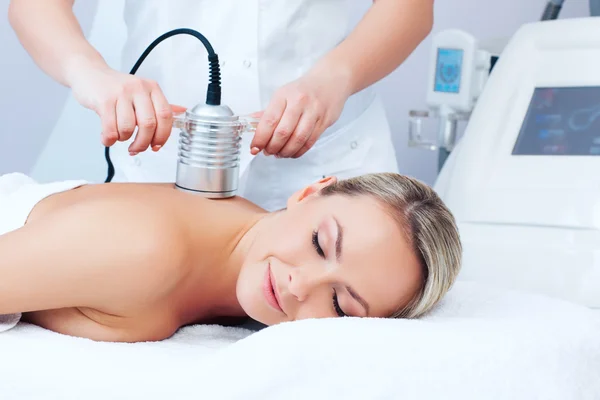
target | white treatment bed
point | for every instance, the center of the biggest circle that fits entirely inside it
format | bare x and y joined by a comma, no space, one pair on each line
481,343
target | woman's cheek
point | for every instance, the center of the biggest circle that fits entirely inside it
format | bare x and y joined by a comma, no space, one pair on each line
248,287
316,307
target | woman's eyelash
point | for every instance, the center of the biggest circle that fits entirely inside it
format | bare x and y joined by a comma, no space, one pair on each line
336,305
315,242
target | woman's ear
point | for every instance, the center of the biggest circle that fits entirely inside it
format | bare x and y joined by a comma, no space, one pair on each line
310,190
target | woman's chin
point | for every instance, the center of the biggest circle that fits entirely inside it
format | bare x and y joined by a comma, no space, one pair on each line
257,313
249,294
249,304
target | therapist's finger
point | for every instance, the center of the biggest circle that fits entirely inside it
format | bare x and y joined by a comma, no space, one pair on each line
146,122
284,130
266,125
164,119
125,118
108,118
301,135
256,115
175,109
315,134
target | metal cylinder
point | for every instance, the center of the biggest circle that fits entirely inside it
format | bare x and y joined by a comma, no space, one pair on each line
209,152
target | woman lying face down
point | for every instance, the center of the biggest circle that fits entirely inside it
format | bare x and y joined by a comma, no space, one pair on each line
135,262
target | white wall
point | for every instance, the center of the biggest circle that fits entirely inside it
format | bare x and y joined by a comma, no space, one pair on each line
31,104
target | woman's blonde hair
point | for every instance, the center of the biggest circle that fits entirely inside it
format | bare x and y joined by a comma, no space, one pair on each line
429,227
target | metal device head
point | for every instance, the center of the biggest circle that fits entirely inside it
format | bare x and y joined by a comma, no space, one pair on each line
209,150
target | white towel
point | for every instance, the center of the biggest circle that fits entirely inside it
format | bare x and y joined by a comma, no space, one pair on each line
18,195
479,344
9,321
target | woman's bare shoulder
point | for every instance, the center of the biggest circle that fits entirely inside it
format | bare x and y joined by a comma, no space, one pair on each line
110,253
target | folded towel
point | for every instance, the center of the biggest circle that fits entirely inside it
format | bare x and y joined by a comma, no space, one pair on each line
18,195
480,343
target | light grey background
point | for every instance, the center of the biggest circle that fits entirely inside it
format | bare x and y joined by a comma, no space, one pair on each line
44,133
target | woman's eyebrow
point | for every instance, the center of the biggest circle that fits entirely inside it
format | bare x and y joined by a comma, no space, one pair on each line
357,297
338,255
338,240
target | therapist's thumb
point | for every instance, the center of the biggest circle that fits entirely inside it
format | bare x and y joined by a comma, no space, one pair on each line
254,149
177,109
108,139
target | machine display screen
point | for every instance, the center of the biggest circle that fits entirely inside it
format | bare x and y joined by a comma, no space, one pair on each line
448,70
561,121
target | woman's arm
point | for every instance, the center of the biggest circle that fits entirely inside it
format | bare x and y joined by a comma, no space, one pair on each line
104,255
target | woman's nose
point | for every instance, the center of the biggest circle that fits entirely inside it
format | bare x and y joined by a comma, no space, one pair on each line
302,281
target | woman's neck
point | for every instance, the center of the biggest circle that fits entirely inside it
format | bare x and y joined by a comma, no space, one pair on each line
242,221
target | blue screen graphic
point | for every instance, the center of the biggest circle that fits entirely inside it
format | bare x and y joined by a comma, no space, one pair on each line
448,70
562,121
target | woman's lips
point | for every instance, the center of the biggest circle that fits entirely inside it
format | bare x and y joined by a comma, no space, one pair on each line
270,290
276,291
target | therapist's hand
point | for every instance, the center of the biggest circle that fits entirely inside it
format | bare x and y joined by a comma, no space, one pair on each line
124,102
299,113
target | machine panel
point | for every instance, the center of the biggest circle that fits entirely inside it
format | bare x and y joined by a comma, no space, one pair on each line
561,121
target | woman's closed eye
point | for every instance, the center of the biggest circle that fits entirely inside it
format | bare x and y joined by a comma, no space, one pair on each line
336,306
316,245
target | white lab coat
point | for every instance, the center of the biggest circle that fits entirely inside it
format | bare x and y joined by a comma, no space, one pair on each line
262,45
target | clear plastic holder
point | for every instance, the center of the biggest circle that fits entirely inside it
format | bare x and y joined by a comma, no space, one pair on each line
415,137
446,132
247,123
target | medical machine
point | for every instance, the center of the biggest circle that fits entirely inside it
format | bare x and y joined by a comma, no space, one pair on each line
459,67
458,70
523,182
210,134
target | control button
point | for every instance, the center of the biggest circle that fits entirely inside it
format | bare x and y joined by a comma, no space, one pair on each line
137,161
354,144
247,63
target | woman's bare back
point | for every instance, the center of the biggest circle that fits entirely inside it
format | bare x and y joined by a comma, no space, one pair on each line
120,262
